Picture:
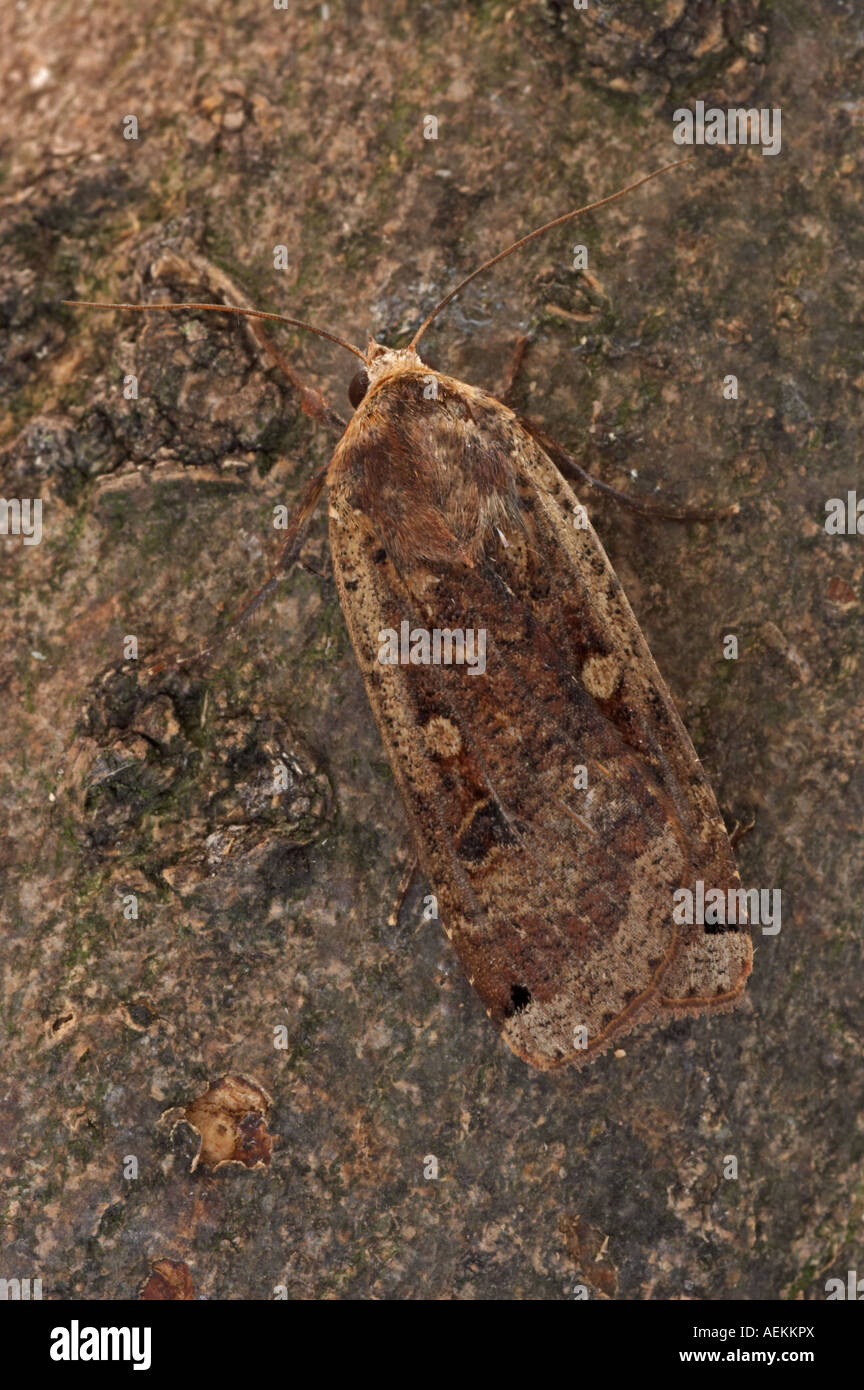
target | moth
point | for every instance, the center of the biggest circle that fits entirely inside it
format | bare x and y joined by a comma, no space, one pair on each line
451,515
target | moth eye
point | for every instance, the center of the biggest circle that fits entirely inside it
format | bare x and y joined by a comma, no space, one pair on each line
520,998
358,388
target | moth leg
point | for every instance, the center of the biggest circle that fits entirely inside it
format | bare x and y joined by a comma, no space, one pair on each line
571,469
405,883
194,270
311,401
297,528
739,830
517,357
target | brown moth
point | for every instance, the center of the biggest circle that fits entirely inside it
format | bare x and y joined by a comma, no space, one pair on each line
450,519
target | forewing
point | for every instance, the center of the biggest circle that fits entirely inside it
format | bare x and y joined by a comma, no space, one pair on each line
712,963
602,637
557,895
554,795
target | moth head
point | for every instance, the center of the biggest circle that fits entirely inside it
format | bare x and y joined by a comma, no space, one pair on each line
381,361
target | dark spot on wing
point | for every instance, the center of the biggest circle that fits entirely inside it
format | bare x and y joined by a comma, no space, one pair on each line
520,998
487,829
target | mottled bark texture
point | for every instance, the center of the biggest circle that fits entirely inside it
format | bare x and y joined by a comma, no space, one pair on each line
260,911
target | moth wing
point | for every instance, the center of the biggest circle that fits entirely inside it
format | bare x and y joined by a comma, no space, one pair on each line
558,899
712,964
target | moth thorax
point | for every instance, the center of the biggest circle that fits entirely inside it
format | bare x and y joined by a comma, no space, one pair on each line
383,361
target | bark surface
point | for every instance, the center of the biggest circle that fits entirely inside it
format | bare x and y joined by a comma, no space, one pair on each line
262,916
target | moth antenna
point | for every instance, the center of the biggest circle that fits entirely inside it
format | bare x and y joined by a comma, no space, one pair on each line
223,309
538,231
